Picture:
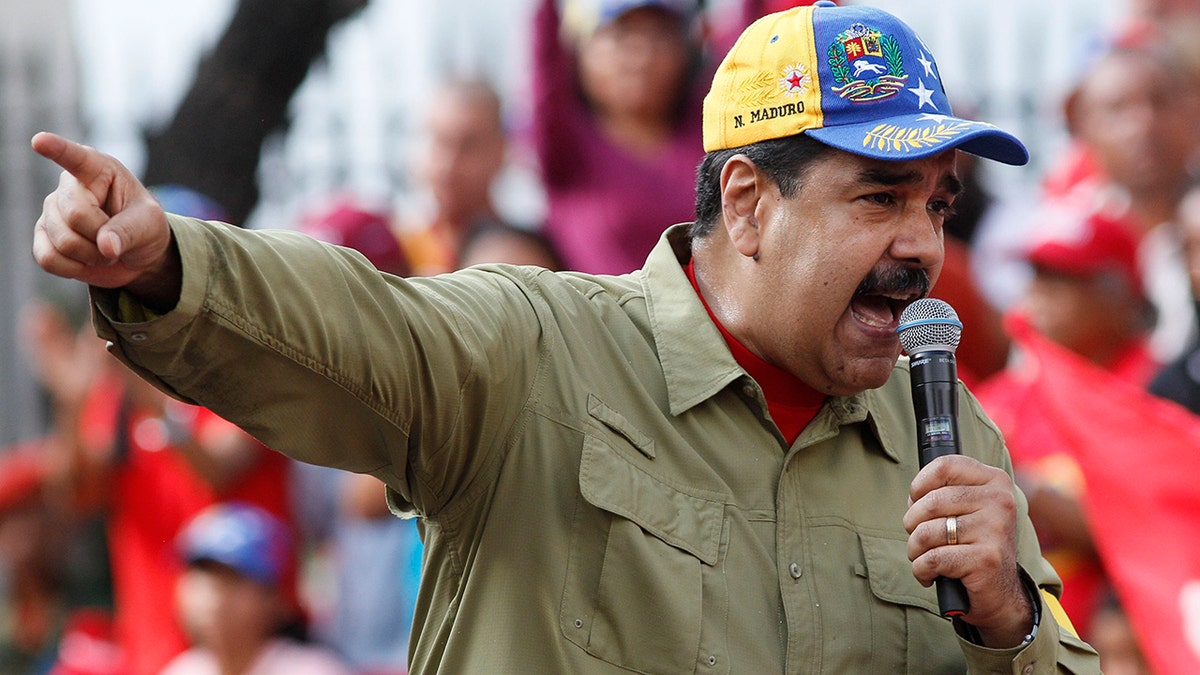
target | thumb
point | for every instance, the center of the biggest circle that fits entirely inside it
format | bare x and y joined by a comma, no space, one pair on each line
108,240
137,236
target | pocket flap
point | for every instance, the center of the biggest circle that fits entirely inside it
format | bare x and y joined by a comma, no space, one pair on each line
890,573
686,521
617,422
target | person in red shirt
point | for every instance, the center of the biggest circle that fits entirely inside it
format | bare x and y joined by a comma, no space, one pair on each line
161,463
1086,295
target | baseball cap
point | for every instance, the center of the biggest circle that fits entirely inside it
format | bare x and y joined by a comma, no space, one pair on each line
240,536
855,78
611,10
1089,243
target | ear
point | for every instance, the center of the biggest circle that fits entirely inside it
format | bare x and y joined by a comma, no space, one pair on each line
741,191
1072,112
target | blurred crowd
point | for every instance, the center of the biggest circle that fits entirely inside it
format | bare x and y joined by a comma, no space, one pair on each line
142,535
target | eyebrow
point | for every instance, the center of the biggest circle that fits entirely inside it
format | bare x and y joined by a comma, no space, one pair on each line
886,178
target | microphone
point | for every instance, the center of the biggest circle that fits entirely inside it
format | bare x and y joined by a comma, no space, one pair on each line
929,331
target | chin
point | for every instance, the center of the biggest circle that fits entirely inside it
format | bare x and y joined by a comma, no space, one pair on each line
862,375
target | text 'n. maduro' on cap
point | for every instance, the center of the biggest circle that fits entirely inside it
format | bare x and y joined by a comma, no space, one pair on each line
855,78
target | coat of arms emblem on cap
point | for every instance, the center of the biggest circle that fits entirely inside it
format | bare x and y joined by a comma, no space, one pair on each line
866,65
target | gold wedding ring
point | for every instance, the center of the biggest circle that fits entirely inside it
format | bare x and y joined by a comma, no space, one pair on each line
952,530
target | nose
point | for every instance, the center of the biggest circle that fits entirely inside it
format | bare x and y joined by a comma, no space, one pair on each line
918,241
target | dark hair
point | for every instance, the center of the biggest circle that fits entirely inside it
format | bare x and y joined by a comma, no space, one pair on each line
784,160
492,227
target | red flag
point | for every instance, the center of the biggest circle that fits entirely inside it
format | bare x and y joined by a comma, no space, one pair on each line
1140,457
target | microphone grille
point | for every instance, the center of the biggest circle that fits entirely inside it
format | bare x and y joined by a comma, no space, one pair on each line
928,324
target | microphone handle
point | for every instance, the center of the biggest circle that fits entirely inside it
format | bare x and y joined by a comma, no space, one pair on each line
935,399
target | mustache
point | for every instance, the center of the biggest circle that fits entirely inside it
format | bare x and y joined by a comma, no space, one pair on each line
895,281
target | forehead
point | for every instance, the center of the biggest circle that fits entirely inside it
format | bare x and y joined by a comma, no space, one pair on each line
462,109
843,168
1123,72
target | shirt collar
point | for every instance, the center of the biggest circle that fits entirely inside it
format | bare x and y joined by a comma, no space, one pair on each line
682,330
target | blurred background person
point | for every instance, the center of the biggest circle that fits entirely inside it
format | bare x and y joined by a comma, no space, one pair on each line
1179,380
1132,116
55,548
1087,293
498,242
144,464
615,125
233,599
1087,296
33,559
1114,639
463,150
346,221
365,568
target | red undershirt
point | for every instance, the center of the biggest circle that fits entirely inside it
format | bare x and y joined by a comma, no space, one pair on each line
791,403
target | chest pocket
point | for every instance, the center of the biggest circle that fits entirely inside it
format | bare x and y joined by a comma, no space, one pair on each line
643,555
907,633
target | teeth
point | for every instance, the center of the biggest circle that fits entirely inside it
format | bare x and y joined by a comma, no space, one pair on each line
870,321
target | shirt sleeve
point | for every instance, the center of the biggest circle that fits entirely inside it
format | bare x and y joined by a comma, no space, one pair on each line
320,356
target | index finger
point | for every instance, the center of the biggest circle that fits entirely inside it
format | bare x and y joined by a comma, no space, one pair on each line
76,159
946,471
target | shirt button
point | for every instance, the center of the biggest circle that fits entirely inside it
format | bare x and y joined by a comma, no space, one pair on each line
139,337
795,570
748,390
1028,669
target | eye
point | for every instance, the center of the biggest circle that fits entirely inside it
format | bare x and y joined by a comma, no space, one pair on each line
880,198
942,208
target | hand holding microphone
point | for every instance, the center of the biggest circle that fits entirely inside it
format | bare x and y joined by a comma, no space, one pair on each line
962,508
930,331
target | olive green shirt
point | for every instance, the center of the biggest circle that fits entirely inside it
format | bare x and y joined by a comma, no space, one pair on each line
600,486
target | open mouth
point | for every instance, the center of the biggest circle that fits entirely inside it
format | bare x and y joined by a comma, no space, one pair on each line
885,293
880,311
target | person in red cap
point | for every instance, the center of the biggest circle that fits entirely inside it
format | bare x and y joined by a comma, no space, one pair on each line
1131,116
1086,295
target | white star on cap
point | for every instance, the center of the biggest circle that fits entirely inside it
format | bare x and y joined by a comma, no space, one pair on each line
930,117
923,95
927,65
